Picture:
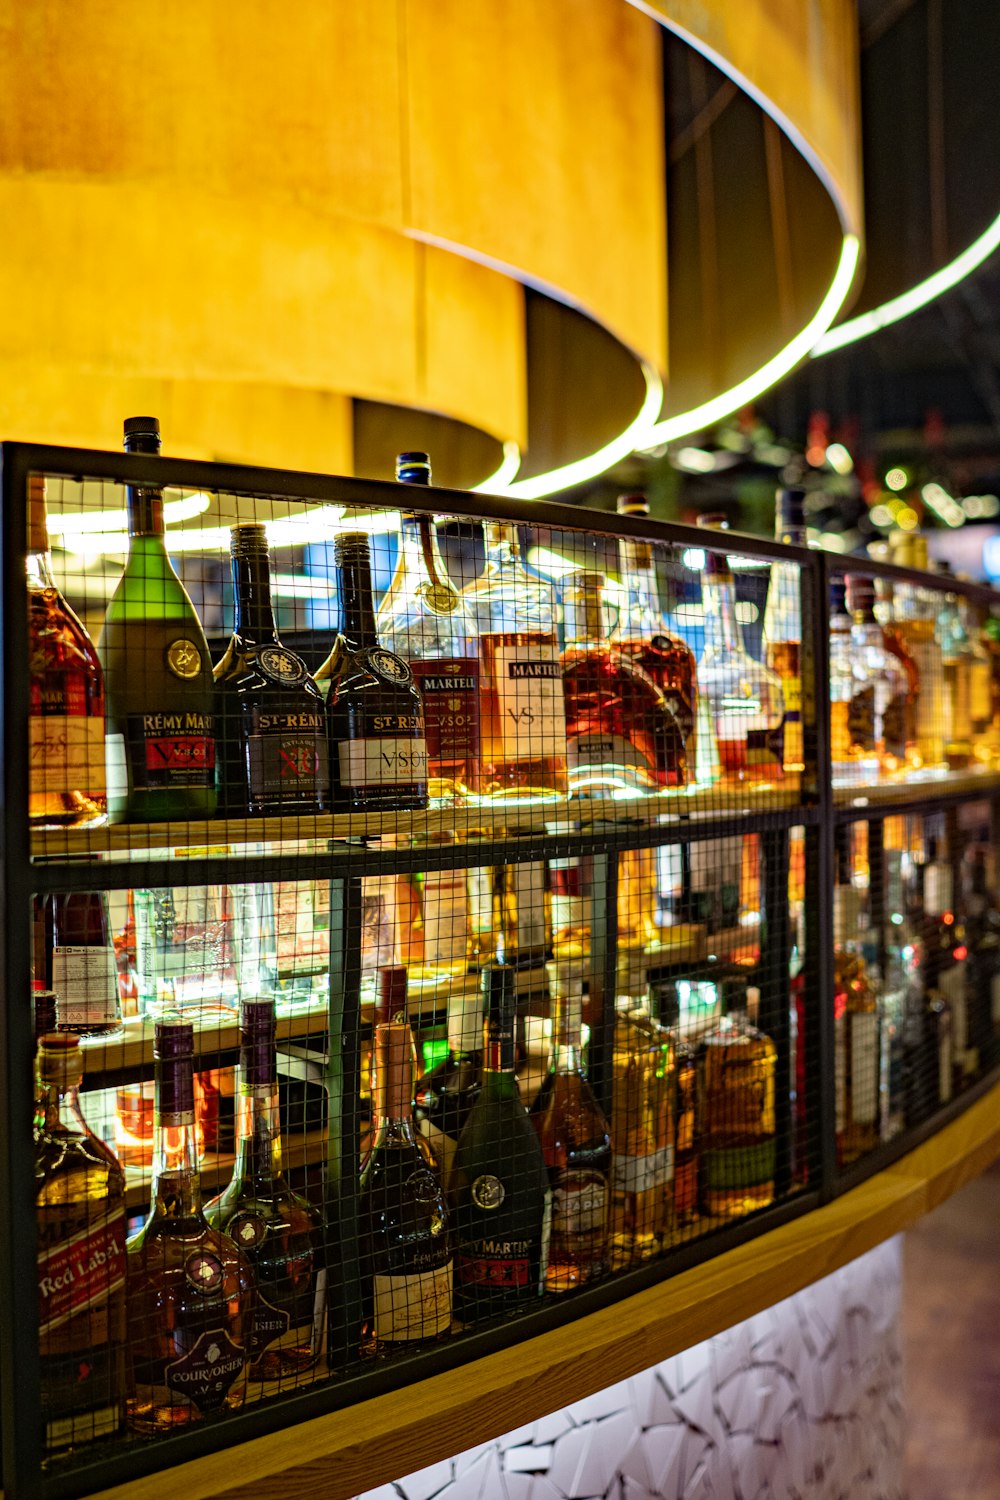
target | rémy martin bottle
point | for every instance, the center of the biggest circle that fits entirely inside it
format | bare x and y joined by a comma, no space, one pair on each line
157,672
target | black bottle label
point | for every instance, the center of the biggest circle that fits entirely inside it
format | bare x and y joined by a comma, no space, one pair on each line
281,665
207,1371
385,665
170,750
287,757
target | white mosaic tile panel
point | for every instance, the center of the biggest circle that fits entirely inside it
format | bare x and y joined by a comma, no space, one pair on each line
801,1402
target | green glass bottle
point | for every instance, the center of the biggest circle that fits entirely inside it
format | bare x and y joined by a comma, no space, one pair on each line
157,673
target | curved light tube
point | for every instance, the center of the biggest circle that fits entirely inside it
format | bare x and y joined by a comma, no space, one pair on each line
497,482
748,389
918,296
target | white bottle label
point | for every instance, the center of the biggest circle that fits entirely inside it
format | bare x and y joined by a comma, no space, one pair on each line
608,759
642,1174
86,981
864,1068
67,754
413,1307
445,910
529,888
530,701
116,768
388,762
579,1204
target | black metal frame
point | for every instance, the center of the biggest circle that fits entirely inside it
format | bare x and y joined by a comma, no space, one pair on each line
343,865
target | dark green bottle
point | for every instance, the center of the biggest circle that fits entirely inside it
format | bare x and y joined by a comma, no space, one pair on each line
157,672
499,1188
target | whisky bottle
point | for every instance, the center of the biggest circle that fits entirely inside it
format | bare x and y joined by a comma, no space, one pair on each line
642,1131
877,714
783,622
621,738
278,1230
499,1188
403,1219
576,1145
523,755
642,633
424,619
745,697
80,1210
67,785
915,623
444,1096
374,710
157,672
736,1121
191,1289
856,1031
270,715
79,961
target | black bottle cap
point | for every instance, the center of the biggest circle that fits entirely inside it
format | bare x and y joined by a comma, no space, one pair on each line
351,546
249,540
413,468
257,1037
173,1037
838,596
790,508
498,986
860,595
142,435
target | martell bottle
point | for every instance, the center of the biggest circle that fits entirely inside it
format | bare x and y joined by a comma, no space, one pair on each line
499,1188
79,961
280,1233
374,710
157,672
67,787
424,619
404,1242
523,723
191,1289
80,1207
271,719
576,1145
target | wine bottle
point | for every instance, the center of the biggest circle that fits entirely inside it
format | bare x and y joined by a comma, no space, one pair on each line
424,619
80,963
67,784
444,1096
576,1145
278,1230
191,1289
499,1187
157,672
404,1242
272,727
80,1208
374,710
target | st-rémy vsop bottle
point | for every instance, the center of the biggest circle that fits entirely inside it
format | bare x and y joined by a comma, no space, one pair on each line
272,726
374,709
157,672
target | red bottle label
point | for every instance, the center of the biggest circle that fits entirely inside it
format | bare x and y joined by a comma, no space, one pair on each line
496,1273
81,1272
170,750
450,693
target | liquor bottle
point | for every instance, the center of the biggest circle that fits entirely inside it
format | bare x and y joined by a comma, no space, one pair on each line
405,1247
499,1188
893,641
956,662
991,645
642,633
443,898
736,1123
915,623
191,1289
374,710
621,738
279,1231
576,1145
80,1209
73,932
424,619
856,1030
643,1132
783,622
444,1096
744,696
157,672
944,974
521,927
663,1005
523,746
982,938
273,755
984,739
187,946
877,714
67,784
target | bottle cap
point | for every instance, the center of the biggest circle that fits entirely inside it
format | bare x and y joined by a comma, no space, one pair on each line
391,1004
633,505
350,546
44,1004
59,1060
142,435
392,1069
173,1037
413,468
789,511
498,986
257,1036
859,592
714,520
248,540
838,596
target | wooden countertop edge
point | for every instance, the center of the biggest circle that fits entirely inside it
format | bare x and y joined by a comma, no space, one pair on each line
338,1455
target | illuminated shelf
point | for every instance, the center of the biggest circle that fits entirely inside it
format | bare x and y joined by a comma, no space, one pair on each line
918,787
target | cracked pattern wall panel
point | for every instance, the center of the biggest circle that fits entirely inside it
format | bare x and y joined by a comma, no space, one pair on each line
801,1402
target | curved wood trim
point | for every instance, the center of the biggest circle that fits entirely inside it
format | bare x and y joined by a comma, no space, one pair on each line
345,1452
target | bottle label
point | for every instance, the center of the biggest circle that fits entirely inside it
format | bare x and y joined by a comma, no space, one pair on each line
67,754
498,1265
207,1371
738,1167
79,1274
579,1205
281,665
610,759
530,702
856,1043
287,757
302,926
417,1306
861,719
167,750
183,659
450,693
387,762
894,726
445,913
642,1174
270,1323
86,981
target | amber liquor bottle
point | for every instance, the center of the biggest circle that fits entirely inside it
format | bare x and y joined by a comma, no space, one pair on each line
736,1120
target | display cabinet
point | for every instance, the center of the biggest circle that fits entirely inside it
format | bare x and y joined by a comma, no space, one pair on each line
766,885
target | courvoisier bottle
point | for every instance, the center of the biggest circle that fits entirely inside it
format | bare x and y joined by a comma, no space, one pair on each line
157,672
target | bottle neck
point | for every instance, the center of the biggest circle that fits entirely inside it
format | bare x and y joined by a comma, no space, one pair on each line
638,574
39,563
59,1108
357,606
176,1180
145,511
584,616
722,629
252,590
258,1133
503,550
39,570
499,1050
567,1027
